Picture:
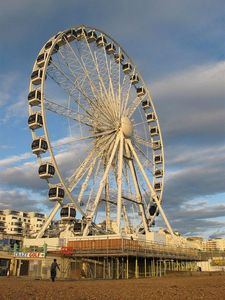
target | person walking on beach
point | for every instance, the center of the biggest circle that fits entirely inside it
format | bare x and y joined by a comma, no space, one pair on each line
54,266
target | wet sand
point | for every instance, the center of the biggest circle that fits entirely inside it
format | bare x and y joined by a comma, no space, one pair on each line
201,286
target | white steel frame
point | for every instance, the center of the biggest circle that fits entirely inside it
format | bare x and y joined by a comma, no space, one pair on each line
102,101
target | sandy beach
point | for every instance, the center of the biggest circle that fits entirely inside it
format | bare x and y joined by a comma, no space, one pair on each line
192,286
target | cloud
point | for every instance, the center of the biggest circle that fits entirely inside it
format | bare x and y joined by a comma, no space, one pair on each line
191,110
15,111
14,159
192,103
20,200
19,174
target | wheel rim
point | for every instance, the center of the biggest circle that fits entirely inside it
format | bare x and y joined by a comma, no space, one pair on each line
107,103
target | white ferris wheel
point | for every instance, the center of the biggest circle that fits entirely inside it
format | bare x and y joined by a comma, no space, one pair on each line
96,135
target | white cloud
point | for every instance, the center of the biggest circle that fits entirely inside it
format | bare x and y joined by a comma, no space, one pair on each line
204,82
14,159
17,109
21,200
191,105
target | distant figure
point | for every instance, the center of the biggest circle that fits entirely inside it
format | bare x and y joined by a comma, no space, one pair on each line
54,265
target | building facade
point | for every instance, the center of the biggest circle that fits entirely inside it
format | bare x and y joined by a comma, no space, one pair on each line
214,244
20,223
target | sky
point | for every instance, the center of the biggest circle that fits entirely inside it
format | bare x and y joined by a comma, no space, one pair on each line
179,48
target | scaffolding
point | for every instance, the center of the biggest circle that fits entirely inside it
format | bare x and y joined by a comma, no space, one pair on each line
124,259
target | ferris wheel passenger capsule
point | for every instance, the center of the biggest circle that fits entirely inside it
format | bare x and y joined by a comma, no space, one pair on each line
158,159
48,45
36,77
156,145
127,68
158,173
152,210
158,186
35,121
119,57
110,48
134,79
141,91
146,104
91,36
39,146
62,41
101,41
46,170
34,97
56,193
154,131
150,117
68,213
55,49
81,33
42,58
70,35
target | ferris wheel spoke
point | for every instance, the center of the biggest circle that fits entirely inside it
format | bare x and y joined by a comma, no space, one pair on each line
119,181
71,87
128,184
101,186
86,72
132,108
90,201
111,94
143,154
67,112
140,140
136,187
101,81
140,123
106,143
126,220
96,103
153,193
80,171
95,61
49,219
107,200
127,97
105,93
86,181
71,140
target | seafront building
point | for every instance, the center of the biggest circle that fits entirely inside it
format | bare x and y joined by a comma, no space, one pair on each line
20,223
21,254
214,244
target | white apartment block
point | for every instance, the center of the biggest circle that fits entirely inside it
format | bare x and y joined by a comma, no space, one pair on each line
20,223
214,244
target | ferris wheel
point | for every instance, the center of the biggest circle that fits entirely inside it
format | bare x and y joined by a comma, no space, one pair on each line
96,134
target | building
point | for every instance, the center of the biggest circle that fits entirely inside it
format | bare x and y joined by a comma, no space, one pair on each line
20,223
214,244
196,242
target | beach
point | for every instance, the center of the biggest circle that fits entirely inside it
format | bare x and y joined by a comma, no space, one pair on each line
176,286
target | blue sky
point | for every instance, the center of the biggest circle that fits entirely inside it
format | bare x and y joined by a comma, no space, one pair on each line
179,48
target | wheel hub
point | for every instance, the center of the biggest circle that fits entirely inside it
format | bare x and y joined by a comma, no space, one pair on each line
126,127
